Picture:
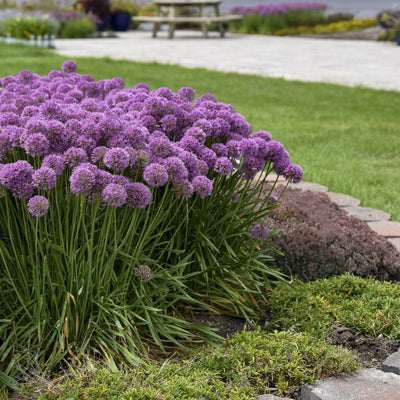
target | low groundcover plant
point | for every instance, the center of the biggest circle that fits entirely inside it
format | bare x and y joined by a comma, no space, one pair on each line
122,210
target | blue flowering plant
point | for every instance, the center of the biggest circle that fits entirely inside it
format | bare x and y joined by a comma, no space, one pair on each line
123,212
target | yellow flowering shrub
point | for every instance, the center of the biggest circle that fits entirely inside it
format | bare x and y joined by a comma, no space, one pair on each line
341,26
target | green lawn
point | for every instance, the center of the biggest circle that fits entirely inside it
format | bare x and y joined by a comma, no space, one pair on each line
345,138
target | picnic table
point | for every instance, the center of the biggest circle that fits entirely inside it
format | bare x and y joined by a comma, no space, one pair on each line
174,18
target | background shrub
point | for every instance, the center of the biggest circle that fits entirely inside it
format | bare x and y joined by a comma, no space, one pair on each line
78,28
320,240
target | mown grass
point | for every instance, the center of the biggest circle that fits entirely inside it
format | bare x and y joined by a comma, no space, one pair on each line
345,138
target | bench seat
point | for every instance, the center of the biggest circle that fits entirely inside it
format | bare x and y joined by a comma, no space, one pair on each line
203,21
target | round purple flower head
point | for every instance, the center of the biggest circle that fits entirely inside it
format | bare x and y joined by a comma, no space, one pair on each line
264,135
36,145
55,162
155,175
259,232
176,169
203,186
75,156
82,181
18,178
293,173
114,195
223,166
116,159
143,272
44,178
187,94
138,195
38,206
68,67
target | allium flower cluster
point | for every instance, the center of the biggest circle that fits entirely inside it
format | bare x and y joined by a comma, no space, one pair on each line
122,144
143,272
259,232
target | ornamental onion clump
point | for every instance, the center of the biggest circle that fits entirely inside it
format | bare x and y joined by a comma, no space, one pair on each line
120,208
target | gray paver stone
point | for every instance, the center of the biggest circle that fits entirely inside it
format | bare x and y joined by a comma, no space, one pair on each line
343,200
367,214
271,397
386,228
313,187
395,242
392,363
367,384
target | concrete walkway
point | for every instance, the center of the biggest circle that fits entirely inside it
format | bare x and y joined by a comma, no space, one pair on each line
348,62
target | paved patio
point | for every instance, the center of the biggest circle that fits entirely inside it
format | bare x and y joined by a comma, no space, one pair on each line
348,62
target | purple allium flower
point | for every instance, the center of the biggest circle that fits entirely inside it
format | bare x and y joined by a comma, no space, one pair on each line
262,146
186,94
25,77
160,146
55,162
138,195
114,195
190,144
82,181
75,156
143,272
168,123
280,165
293,173
176,169
223,166
197,133
240,126
251,166
263,135
259,232
203,186
36,145
234,148
38,206
203,167
44,178
191,163
17,177
183,189
248,148
98,155
143,87
272,199
103,178
155,175
205,125
116,159
8,118
275,150
208,156
135,135
219,149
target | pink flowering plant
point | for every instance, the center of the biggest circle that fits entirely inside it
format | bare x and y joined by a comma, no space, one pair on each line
122,208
